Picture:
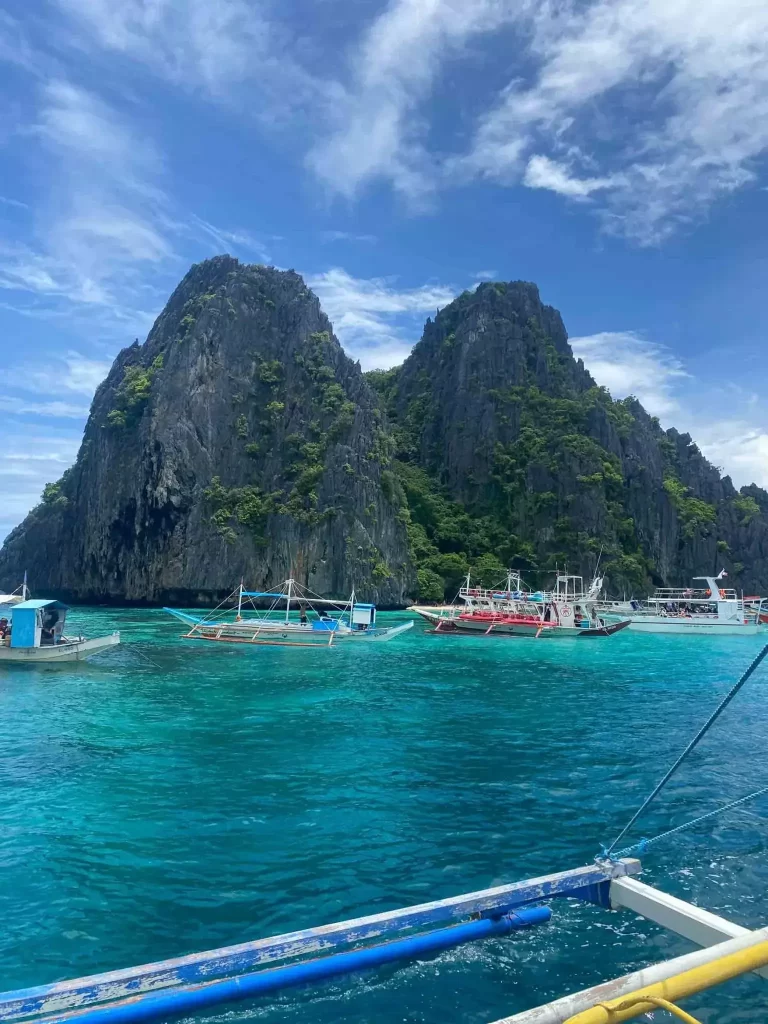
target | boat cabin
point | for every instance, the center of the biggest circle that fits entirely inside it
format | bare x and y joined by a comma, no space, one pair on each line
37,623
363,616
712,600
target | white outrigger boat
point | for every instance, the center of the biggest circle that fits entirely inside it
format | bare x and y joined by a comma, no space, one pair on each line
567,611
710,609
333,621
37,634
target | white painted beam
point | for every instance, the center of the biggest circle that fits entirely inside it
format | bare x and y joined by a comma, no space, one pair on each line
694,923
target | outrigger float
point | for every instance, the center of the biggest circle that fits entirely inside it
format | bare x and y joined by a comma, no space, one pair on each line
568,611
189,984
333,621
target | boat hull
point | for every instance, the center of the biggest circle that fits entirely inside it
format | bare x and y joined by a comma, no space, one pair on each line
290,634
660,624
74,650
533,630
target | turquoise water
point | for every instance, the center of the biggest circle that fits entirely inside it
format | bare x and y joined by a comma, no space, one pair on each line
225,794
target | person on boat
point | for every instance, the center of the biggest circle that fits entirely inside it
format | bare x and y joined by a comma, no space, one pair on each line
5,629
48,630
303,615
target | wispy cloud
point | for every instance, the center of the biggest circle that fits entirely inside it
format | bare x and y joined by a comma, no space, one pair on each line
28,462
375,321
225,240
542,172
101,220
681,89
377,132
6,201
58,410
346,236
628,364
74,373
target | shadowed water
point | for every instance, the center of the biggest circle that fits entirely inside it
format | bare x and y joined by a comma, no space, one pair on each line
222,794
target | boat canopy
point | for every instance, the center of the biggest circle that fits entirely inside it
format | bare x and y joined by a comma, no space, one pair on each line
37,622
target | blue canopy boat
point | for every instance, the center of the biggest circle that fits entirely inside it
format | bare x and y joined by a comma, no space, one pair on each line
35,633
331,621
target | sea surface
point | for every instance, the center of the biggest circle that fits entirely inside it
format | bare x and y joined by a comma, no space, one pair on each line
169,797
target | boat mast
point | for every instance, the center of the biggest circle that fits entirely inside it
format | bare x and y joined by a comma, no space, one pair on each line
24,588
288,600
239,602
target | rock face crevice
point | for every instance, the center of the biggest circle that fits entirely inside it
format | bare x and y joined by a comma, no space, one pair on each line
239,441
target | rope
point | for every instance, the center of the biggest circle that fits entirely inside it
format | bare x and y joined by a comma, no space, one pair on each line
617,1011
699,735
645,843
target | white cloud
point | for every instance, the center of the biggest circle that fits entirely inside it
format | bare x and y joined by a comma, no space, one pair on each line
484,275
75,373
346,236
542,172
377,131
104,215
209,47
628,364
376,322
18,406
30,460
678,89
13,202
225,239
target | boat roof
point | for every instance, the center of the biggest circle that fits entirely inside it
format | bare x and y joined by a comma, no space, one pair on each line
39,602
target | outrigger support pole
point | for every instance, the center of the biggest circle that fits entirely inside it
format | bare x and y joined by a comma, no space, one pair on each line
162,989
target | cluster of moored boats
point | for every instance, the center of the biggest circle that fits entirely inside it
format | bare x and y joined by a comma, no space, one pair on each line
33,630
571,610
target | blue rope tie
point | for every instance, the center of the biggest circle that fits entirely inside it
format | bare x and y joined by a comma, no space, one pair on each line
607,852
642,846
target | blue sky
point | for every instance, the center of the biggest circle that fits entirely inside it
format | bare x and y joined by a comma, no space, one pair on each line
612,151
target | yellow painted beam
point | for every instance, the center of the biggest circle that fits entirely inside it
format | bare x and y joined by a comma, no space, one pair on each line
675,988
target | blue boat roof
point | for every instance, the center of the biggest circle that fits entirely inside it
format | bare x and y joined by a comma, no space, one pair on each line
360,604
38,603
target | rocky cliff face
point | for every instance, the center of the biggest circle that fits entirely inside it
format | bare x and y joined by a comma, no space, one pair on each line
538,466
238,441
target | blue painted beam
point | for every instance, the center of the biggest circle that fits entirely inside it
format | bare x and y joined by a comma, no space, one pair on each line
175,1001
240,959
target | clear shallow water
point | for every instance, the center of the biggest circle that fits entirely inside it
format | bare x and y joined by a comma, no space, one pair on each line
228,794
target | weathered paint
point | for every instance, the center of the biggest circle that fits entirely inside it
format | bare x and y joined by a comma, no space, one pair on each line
192,998
233,960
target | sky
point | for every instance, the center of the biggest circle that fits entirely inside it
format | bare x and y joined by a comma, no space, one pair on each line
612,151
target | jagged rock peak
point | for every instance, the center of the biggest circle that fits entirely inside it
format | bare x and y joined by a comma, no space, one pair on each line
239,440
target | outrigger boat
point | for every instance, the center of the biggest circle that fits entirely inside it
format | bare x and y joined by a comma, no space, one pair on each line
353,621
708,609
567,611
37,635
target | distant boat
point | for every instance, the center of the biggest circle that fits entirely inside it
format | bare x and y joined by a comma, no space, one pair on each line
37,635
331,622
568,611
711,609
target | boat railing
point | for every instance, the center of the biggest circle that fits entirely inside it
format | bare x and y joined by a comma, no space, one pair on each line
689,594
